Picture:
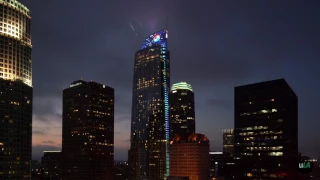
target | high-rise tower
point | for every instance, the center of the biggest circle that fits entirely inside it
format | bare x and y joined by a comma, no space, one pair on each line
265,131
15,91
87,131
228,142
149,153
182,109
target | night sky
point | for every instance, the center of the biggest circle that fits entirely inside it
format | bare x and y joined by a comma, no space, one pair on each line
215,45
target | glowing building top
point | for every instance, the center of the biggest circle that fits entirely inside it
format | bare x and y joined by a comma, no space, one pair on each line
157,38
17,5
181,85
15,36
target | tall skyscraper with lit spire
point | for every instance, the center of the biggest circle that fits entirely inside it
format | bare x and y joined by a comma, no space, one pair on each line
150,126
15,91
182,109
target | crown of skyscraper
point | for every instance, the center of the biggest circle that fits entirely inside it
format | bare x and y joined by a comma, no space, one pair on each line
181,85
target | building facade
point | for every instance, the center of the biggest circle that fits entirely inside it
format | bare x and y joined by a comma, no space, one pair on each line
150,126
182,109
218,165
266,131
121,171
15,91
228,141
189,156
87,131
51,169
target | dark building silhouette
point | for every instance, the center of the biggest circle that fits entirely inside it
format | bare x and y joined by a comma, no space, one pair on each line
35,170
150,126
189,156
121,170
182,109
266,131
228,142
87,131
177,178
51,169
217,163
15,91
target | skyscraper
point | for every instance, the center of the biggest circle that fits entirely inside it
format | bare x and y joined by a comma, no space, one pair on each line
190,156
15,91
266,130
51,165
149,153
182,109
87,131
228,142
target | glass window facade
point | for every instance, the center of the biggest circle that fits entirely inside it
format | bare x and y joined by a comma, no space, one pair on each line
88,131
261,142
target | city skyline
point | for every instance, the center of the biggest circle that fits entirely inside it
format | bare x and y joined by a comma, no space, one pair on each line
240,48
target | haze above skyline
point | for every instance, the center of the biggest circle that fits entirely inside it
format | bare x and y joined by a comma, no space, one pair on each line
214,45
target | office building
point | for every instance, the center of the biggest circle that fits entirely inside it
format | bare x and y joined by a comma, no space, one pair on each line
266,131
51,169
182,109
189,157
35,170
121,170
87,131
15,91
218,167
228,142
150,126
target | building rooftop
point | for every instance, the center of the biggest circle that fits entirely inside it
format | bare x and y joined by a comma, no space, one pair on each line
181,85
191,138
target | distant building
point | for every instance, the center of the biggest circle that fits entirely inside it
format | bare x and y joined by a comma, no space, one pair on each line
217,164
51,169
121,170
177,178
315,175
266,131
182,109
35,170
228,141
189,156
88,131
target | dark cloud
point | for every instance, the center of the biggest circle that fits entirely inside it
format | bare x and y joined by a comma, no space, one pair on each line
126,140
39,132
48,142
216,102
123,117
49,117
43,107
